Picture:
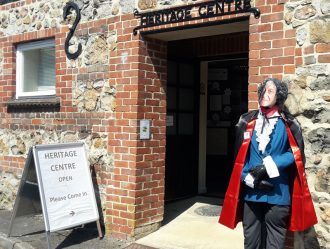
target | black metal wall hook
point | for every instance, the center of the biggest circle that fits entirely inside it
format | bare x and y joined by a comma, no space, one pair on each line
256,12
66,11
137,14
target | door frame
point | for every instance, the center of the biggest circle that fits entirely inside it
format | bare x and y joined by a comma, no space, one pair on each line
202,152
169,194
202,127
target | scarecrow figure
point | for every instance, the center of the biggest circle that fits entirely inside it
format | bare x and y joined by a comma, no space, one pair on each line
268,189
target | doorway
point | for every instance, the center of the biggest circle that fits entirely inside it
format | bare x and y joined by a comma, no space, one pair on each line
207,91
181,130
226,99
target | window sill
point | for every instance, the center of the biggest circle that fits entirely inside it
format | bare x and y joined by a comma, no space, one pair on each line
40,104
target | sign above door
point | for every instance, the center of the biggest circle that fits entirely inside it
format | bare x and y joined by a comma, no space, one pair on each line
193,12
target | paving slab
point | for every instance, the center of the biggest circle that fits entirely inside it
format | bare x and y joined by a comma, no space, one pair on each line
196,228
188,224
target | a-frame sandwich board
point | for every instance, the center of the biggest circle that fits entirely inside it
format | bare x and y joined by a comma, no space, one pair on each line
57,182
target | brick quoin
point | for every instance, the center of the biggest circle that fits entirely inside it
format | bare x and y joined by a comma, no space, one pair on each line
324,58
277,54
322,48
276,46
137,200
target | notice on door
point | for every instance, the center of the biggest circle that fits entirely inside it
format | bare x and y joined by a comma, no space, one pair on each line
65,185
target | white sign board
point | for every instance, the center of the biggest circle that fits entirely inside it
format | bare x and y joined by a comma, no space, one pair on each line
144,129
66,188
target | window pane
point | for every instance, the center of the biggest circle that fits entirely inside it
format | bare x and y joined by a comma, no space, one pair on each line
30,67
38,69
186,74
171,98
186,123
171,72
46,80
186,99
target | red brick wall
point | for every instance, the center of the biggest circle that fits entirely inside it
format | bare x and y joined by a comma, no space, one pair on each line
62,120
135,192
272,49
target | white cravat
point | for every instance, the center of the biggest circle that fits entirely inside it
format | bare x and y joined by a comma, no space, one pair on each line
263,133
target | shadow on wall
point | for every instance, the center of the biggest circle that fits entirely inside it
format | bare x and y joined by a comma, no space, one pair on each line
306,239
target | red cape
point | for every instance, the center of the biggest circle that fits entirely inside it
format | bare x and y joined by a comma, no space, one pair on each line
302,214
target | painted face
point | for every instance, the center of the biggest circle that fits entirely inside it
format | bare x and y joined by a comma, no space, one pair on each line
268,98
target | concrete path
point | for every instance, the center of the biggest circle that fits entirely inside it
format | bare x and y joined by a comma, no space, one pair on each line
191,230
189,224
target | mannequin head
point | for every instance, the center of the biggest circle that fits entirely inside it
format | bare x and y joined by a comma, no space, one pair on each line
268,98
272,92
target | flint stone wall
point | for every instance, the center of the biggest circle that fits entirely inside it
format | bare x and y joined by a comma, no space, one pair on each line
309,100
18,142
48,14
8,187
88,95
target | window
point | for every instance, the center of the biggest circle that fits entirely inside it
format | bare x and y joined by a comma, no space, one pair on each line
2,2
35,70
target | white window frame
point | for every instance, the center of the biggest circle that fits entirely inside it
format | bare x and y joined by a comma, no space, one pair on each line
20,68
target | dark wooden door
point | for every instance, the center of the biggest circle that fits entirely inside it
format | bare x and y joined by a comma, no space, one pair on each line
227,99
181,132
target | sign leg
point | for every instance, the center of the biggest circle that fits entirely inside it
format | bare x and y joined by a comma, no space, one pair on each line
48,240
99,229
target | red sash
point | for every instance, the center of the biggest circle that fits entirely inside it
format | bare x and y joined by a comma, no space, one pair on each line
231,212
303,213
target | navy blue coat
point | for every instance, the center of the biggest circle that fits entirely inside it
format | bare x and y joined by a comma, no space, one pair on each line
281,153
